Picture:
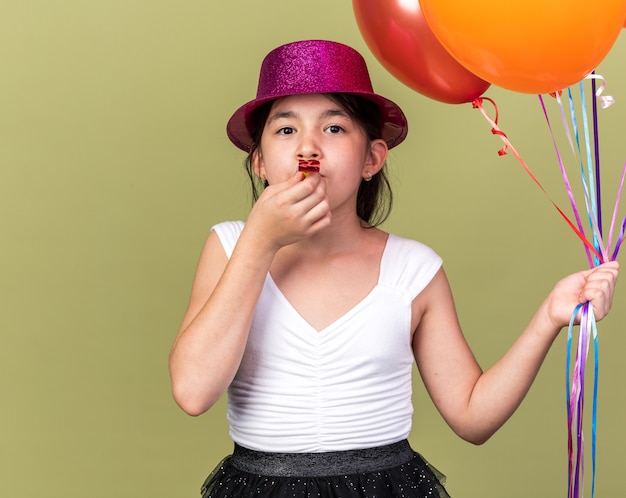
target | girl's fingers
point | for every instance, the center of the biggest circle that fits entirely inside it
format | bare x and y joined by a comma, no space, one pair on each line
599,288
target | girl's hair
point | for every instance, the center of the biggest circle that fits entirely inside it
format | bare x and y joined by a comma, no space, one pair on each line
374,199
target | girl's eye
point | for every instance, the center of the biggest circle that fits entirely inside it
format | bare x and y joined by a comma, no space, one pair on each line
334,129
285,130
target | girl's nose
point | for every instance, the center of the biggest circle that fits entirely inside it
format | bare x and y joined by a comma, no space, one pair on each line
312,155
308,148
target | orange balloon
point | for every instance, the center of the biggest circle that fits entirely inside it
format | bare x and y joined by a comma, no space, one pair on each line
400,38
529,46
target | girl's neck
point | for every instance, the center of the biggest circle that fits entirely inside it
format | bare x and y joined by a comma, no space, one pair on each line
343,235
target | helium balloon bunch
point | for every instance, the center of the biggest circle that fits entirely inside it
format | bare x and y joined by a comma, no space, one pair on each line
453,51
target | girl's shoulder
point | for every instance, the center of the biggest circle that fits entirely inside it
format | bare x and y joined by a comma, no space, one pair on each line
402,246
228,232
408,264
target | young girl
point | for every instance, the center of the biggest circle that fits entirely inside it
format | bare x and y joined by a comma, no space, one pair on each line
310,316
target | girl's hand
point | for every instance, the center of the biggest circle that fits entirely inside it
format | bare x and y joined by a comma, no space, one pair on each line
596,286
290,211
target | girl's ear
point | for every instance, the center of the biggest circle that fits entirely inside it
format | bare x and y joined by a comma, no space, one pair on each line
257,164
376,157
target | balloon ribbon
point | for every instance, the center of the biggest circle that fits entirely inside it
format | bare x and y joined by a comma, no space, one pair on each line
597,253
478,104
575,400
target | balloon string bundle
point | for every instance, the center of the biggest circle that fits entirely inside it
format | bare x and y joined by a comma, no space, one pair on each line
597,252
591,182
575,400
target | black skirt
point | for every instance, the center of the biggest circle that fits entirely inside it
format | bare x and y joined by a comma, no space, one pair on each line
388,471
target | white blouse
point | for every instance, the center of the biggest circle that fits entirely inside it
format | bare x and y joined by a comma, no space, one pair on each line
347,386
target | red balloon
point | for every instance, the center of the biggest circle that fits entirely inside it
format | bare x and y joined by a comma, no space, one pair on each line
399,37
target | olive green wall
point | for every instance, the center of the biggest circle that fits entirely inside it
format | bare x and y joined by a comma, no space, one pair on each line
113,166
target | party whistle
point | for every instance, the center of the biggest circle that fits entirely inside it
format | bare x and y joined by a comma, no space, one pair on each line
308,166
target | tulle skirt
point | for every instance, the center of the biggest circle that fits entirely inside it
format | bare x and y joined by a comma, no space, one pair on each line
389,471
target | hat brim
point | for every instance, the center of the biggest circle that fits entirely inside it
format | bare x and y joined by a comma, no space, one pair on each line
394,130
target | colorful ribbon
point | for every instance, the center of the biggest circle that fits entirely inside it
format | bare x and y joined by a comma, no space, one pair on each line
597,252
575,400
477,104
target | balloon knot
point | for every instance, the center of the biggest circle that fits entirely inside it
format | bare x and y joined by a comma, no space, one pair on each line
502,151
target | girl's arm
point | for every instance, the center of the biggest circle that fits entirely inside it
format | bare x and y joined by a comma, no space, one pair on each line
475,403
210,343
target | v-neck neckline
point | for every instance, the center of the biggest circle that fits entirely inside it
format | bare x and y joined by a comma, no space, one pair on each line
348,312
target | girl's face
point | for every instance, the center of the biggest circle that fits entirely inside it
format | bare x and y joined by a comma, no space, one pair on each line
315,127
